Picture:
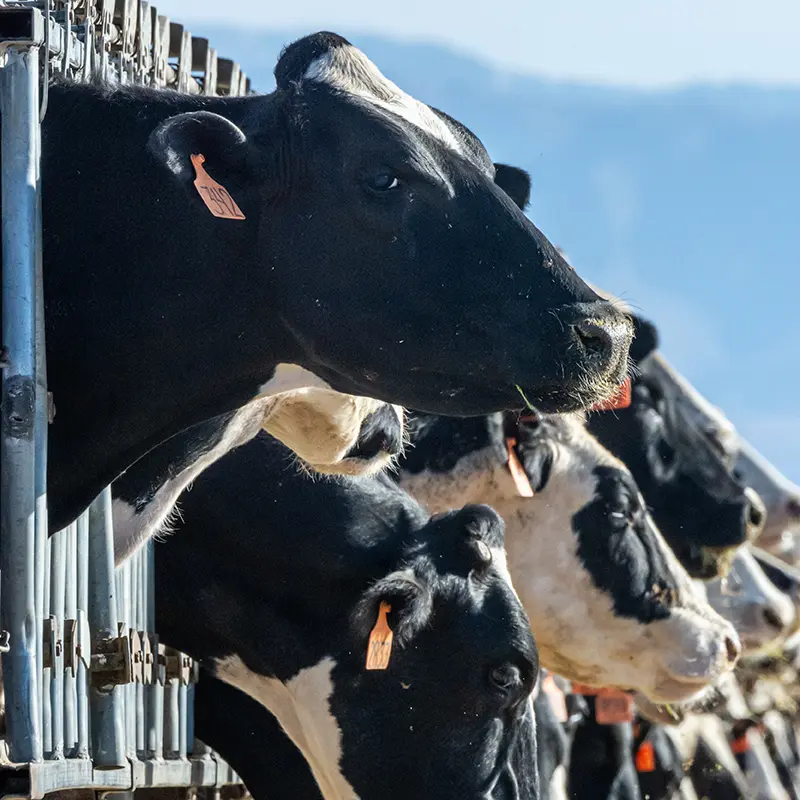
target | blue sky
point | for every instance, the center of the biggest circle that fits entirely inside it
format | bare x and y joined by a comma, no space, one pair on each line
626,42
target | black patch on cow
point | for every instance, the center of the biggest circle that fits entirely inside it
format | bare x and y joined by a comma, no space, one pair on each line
381,432
439,443
620,551
687,483
645,339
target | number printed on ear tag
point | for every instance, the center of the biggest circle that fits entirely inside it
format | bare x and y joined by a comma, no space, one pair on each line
216,197
379,649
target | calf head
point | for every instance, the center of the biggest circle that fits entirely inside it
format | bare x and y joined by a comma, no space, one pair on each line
701,508
446,715
403,269
761,613
608,600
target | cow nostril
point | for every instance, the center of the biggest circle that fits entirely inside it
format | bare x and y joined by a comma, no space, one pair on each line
595,338
771,617
733,649
793,507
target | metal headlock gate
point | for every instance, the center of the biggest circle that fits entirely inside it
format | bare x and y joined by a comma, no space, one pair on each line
92,699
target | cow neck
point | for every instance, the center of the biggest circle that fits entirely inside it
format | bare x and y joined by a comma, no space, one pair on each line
137,348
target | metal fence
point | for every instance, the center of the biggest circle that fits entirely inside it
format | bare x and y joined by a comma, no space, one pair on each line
92,699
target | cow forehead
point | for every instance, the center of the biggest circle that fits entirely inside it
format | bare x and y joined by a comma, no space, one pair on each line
347,69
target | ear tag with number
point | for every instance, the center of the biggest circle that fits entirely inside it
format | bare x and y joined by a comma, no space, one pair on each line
379,649
612,706
216,197
517,471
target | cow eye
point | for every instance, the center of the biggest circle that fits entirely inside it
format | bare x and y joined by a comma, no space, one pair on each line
506,678
382,182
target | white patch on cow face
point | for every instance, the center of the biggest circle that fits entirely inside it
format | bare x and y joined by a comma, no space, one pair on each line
761,613
301,706
347,69
667,660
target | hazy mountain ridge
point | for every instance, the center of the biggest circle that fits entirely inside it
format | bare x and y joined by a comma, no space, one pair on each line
685,202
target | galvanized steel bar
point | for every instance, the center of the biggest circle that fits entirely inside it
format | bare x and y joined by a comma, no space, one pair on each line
155,691
70,644
58,573
105,700
140,626
46,674
83,635
19,108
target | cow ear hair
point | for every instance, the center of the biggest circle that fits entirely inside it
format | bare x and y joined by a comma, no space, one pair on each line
515,182
222,143
645,339
411,606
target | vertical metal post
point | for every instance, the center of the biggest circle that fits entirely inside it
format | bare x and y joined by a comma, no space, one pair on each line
172,735
46,674
106,702
83,635
155,692
139,623
19,109
58,573
70,673
124,603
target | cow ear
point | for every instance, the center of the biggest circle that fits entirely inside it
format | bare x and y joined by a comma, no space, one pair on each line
464,539
645,339
410,601
537,456
310,57
515,182
223,145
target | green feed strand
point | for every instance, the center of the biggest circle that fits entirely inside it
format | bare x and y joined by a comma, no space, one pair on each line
522,395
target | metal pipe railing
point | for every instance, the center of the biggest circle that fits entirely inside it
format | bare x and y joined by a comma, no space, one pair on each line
19,109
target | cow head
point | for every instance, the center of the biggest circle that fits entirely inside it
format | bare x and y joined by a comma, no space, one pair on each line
316,567
750,601
609,602
399,266
701,508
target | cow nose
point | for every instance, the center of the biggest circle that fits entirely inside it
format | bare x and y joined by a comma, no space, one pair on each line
755,514
733,649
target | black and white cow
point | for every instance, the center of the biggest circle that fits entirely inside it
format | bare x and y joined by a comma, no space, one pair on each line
609,603
372,253
283,610
328,432
698,503
781,497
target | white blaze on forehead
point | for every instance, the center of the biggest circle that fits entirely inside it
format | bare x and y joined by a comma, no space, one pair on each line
302,707
347,69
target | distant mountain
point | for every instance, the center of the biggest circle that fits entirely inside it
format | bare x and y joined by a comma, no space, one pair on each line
686,203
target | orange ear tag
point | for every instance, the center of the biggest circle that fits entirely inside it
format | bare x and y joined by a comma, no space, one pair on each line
216,197
379,649
613,706
517,472
645,758
556,697
740,745
620,399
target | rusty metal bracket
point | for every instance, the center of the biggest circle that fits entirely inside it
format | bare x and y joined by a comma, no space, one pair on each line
177,666
52,644
112,664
